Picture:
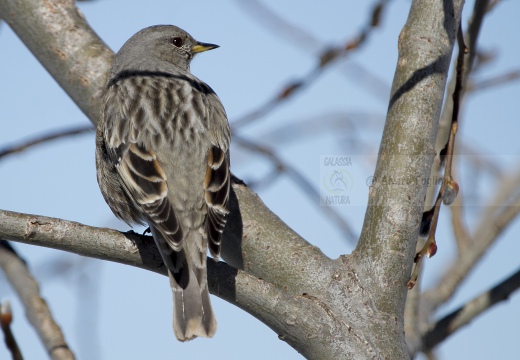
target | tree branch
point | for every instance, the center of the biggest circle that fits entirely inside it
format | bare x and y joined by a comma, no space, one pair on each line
501,211
279,308
37,311
6,317
449,188
44,138
471,37
460,231
393,216
72,52
386,248
495,81
326,58
257,241
61,39
465,314
298,36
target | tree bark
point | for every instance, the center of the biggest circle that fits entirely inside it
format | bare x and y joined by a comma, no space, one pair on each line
352,307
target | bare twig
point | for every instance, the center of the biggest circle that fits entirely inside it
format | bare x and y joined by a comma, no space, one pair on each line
495,81
474,157
471,38
463,315
462,235
348,124
449,188
326,58
500,212
36,309
296,35
301,181
281,27
6,317
40,139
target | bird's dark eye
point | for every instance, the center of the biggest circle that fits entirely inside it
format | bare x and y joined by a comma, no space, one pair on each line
177,41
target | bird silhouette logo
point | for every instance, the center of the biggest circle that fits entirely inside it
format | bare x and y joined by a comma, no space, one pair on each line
338,181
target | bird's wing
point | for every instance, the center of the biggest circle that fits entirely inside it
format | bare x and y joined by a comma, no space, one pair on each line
216,186
146,182
132,124
217,179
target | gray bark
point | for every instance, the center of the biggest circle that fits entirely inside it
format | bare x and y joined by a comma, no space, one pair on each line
352,307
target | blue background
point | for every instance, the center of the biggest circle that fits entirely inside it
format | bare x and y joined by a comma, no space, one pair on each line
111,311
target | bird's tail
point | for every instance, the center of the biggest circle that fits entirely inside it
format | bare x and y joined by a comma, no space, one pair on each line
192,312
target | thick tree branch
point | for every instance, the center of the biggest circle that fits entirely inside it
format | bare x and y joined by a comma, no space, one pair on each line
406,153
387,245
60,38
280,309
257,241
37,311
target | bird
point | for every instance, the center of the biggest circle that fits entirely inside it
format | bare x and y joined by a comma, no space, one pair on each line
162,161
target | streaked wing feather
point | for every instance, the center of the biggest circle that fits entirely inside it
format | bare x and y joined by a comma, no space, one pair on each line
216,186
146,181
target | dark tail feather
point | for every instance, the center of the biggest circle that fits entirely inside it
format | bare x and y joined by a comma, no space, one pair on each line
175,261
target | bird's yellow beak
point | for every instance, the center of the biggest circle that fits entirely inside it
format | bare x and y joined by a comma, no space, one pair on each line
201,47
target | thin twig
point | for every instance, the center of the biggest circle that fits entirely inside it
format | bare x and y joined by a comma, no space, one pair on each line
449,187
495,81
327,57
463,315
462,235
294,34
348,124
6,317
501,211
40,139
35,306
475,24
298,36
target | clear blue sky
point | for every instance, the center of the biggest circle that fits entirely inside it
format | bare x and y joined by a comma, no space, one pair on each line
111,311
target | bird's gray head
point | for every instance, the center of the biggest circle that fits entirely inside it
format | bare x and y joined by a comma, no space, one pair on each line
158,48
